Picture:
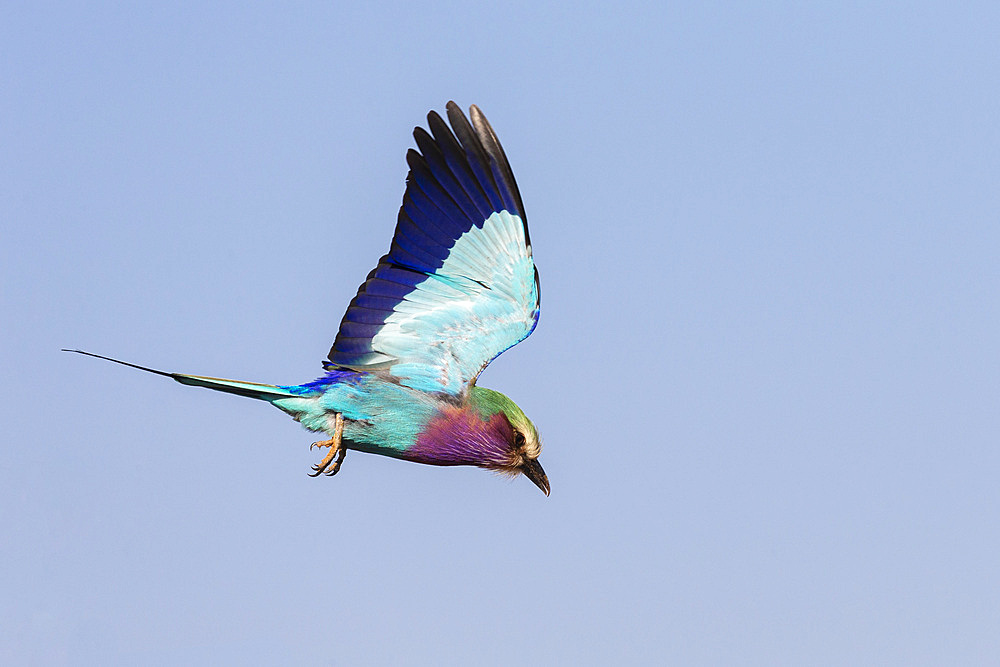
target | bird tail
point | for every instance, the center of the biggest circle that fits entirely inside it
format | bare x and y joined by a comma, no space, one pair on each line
263,392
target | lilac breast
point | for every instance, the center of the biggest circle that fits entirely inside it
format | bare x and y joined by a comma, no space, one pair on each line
459,436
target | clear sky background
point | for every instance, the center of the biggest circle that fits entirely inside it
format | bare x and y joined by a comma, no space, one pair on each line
766,374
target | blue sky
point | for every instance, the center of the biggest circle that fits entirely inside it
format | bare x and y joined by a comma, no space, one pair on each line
766,372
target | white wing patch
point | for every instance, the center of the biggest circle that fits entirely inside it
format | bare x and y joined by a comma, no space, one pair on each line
482,301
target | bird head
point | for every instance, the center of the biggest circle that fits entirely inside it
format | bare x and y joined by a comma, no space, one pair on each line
519,444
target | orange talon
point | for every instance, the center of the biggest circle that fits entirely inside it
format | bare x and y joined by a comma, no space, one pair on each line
335,450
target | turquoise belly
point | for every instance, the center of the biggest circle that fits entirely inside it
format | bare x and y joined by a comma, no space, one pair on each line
380,417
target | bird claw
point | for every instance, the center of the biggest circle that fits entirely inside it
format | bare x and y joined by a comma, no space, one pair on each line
324,467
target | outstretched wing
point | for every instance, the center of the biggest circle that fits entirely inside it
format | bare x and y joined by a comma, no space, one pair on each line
458,285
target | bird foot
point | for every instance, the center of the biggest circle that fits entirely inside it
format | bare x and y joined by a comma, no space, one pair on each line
324,467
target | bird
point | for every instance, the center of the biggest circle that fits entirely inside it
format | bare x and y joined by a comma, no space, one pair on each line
457,288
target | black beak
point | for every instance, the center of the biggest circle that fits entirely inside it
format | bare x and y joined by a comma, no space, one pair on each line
532,469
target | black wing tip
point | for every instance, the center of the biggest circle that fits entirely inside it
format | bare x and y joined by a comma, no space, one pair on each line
489,143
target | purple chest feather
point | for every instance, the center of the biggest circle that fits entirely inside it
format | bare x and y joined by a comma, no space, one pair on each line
460,436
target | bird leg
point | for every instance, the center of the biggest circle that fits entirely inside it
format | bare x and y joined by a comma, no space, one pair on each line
335,450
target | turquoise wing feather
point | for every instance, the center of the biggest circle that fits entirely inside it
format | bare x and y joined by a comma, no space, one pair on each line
458,286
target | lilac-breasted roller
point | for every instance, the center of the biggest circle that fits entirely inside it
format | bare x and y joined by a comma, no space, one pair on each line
456,289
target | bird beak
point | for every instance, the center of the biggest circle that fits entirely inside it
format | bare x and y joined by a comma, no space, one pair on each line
532,469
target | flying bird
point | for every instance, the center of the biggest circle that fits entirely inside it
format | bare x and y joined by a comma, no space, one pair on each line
457,288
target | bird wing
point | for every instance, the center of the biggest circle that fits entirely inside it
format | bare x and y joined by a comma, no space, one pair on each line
458,285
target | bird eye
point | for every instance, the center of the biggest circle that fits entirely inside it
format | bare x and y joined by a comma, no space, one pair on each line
518,439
